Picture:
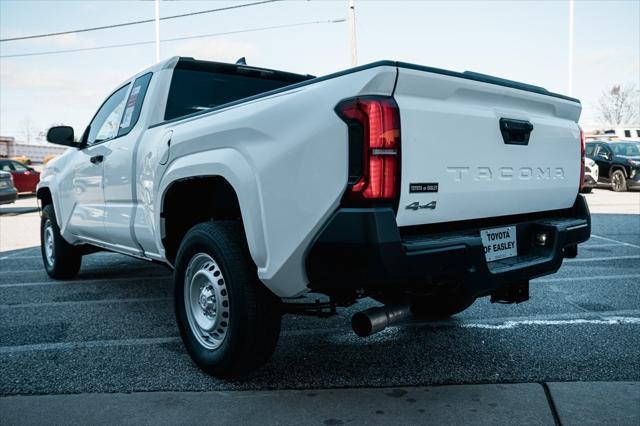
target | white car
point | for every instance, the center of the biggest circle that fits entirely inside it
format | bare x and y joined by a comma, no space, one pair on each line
420,187
591,171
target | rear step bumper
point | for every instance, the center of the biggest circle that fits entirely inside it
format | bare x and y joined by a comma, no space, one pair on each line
363,248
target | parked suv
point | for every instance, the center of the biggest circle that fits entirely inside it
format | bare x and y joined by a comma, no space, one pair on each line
618,163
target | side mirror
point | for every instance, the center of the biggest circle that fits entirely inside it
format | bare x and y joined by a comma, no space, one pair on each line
61,135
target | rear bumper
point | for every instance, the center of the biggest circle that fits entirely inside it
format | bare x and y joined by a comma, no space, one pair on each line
590,182
364,248
8,195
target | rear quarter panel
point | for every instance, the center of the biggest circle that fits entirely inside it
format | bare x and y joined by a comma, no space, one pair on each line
286,157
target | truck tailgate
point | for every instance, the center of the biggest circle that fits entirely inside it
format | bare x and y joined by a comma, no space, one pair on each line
459,162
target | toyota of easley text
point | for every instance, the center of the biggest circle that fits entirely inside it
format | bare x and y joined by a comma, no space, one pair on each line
421,188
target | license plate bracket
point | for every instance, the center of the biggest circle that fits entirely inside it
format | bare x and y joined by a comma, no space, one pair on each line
499,243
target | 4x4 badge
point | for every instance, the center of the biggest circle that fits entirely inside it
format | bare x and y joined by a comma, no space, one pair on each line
416,205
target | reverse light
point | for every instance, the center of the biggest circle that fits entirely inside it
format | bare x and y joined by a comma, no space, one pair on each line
581,158
374,147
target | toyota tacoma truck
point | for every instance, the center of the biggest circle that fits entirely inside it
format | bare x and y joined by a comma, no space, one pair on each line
421,188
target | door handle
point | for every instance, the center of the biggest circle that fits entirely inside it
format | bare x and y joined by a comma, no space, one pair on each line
515,132
97,159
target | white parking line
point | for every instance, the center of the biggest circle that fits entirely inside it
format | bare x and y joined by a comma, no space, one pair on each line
615,241
82,302
24,271
38,256
588,246
597,259
87,344
19,257
587,278
93,281
513,324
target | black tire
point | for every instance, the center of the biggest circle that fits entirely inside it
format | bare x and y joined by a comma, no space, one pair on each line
252,325
586,190
441,306
618,181
66,259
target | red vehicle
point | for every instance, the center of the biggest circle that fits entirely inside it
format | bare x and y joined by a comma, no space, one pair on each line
25,178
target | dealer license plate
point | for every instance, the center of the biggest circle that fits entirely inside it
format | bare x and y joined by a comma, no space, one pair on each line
499,243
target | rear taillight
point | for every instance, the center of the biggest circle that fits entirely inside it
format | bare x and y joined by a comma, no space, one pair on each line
581,158
374,147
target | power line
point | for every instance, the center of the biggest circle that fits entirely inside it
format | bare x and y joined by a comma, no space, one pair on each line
111,46
144,21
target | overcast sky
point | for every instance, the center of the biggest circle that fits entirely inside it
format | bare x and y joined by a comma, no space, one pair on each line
518,40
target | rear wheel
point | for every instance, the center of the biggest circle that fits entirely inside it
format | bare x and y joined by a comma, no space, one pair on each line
228,320
61,259
618,181
441,306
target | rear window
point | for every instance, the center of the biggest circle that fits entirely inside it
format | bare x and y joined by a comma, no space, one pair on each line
196,90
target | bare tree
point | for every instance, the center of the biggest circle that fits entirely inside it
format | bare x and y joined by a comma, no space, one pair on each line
619,105
27,130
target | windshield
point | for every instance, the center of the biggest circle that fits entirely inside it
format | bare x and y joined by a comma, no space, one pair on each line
630,149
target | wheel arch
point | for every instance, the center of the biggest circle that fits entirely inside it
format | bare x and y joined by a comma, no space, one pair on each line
45,196
208,186
618,167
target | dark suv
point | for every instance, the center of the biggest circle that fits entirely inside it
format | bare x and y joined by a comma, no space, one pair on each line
619,163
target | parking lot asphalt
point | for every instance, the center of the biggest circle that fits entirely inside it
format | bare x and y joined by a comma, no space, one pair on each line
113,329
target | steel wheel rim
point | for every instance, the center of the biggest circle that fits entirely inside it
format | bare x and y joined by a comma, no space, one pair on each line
49,241
206,301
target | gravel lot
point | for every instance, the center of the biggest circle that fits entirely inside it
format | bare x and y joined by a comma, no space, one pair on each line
113,330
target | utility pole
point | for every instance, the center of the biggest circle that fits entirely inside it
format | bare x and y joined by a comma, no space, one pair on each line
352,25
157,31
570,82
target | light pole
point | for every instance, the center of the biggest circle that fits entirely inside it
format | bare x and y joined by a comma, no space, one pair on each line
570,82
157,30
352,25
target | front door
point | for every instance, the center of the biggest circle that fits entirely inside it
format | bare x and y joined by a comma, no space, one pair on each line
85,185
119,181
603,158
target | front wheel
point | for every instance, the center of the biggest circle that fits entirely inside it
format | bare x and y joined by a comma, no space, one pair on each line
61,259
228,321
618,181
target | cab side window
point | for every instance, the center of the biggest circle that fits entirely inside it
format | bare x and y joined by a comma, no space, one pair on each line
106,123
134,104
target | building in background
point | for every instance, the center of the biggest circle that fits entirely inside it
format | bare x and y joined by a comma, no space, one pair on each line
613,134
36,152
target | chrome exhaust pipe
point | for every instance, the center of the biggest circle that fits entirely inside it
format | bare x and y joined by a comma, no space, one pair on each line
373,320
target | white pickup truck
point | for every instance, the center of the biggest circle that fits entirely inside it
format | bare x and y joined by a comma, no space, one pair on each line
419,187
